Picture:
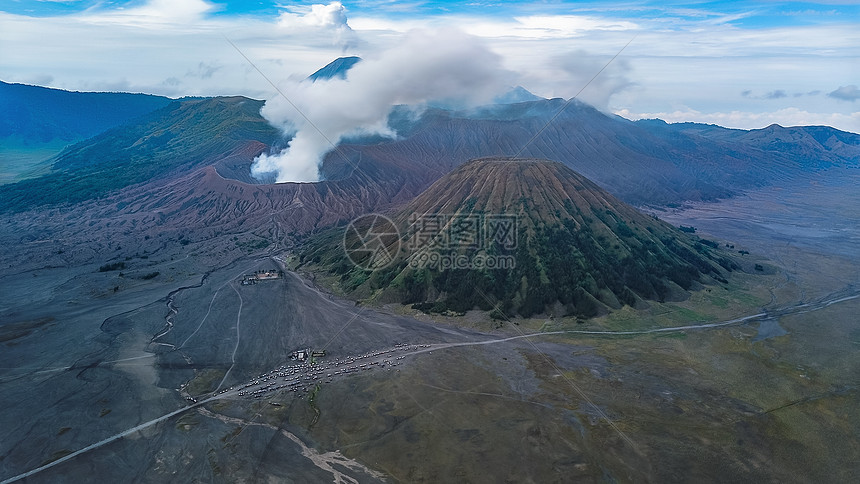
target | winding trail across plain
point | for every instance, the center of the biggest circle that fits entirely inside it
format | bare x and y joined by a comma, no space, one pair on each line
235,348
846,294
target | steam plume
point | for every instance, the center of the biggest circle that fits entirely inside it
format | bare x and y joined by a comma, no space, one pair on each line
427,66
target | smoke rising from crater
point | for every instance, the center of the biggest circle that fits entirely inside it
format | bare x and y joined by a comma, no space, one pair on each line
446,65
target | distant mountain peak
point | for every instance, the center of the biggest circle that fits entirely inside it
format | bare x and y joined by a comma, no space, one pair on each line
518,94
335,69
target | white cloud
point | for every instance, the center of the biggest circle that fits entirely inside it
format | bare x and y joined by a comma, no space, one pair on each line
104,48
568,25
424,66
543,26
679,61
332,15
153,13
381,24
578,68
318,17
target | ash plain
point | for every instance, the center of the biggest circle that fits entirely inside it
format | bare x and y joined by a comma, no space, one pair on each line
81,363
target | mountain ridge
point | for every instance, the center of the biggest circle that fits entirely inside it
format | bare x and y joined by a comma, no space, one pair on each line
180,136
640,163
34,114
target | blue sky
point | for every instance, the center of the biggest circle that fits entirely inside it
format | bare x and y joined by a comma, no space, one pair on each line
753,14
739,64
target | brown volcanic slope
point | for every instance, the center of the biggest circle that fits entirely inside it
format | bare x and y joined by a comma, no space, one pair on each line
641,163
167,143
541,192
165,175
185,169
579,250
205,200
646,162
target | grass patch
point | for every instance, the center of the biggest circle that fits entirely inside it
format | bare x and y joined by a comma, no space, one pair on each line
676,315
20,162
313,404
114,266
227,438
57,455
11,331
672,335
252,245
205,381
186,422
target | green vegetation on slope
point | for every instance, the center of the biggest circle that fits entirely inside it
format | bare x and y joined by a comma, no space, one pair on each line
185,133
559,264
579,251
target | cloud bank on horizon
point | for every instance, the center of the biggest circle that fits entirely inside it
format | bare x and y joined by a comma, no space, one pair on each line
738,64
